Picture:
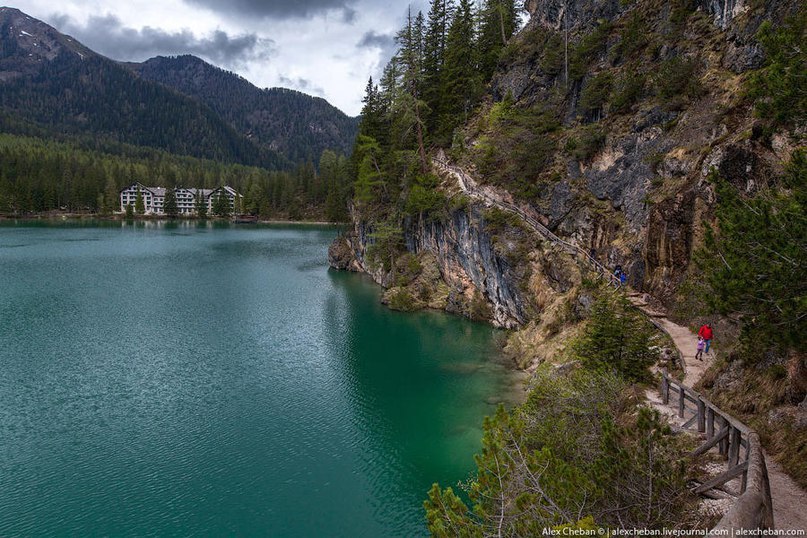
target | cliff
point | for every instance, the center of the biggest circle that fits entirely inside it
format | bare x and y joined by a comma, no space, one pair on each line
609,141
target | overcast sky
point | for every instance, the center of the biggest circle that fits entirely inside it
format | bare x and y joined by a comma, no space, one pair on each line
326,48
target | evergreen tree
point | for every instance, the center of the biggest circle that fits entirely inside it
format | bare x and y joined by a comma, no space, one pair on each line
409,105
617,339
129,211
461,80
755,263
111,195
434,46
139,206
170,203
221,204
499,23
200,204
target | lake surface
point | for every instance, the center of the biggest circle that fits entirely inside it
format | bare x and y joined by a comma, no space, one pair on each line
190,379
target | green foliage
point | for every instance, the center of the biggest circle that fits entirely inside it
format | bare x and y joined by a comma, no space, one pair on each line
553,55
170,203
779,88
129,212
38,175
590,47
573,449
499,20
591,140
387,243
139,206
424,198
678,79
633,38
221,206
755,262
617,339
517,149
497,221
200,206
595,94
627,90
401,299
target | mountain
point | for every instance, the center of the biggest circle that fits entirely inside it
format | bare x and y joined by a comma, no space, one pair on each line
53,86
297,125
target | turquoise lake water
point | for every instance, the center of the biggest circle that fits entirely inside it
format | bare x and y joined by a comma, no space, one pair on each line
189,379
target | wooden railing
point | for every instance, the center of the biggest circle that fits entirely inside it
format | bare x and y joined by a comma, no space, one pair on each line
738,444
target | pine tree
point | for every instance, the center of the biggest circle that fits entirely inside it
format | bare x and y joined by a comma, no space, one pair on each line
434,46
200,204
139,206
221,204
409,105
170,203
499,23
460,81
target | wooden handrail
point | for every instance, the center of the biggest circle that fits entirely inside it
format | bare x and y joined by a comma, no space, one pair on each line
753,508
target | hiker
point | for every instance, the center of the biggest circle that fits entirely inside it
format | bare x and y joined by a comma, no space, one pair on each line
699,354
623,279
706,333
617,276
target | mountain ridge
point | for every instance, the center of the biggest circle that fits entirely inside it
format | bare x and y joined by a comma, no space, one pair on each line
54,85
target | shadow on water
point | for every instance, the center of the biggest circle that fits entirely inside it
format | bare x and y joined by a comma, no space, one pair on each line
424,382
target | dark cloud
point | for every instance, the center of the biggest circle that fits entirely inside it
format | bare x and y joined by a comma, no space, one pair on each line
301,84
373,39
111,38
280,9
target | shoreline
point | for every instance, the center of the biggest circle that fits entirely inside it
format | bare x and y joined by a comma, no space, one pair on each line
163,218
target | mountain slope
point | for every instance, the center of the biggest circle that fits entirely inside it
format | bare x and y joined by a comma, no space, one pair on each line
297,125
52,84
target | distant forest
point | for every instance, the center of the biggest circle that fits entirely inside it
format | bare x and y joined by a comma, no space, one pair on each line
39,175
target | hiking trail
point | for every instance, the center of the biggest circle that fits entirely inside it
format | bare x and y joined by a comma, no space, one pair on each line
789,500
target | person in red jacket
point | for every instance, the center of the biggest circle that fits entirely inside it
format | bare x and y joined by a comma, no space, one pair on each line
706,333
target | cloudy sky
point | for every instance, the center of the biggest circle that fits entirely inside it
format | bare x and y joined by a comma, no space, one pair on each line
326,48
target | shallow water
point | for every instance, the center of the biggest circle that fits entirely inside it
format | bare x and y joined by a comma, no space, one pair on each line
186,379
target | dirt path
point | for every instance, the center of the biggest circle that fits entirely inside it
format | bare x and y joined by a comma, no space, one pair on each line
789,500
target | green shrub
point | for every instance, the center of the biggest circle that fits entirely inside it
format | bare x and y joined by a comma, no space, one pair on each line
587,50
780,88
595,93
678,78
401,299
627,90
575,447
617,339
591,140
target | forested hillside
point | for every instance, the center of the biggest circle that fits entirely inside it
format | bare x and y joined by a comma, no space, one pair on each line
294,124
39,176
52,84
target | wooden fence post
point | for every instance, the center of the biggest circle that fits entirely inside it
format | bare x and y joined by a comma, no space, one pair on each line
665,388
710,423
681,401
701,416
734,447
724,443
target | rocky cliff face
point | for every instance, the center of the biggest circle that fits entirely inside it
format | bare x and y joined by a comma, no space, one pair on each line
472,262
639,195
649,177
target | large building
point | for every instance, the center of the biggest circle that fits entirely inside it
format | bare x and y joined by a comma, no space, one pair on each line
154,198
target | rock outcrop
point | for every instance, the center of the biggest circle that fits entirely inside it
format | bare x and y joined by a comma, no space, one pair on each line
483,281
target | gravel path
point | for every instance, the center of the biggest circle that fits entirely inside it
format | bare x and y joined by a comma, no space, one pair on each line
789,500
